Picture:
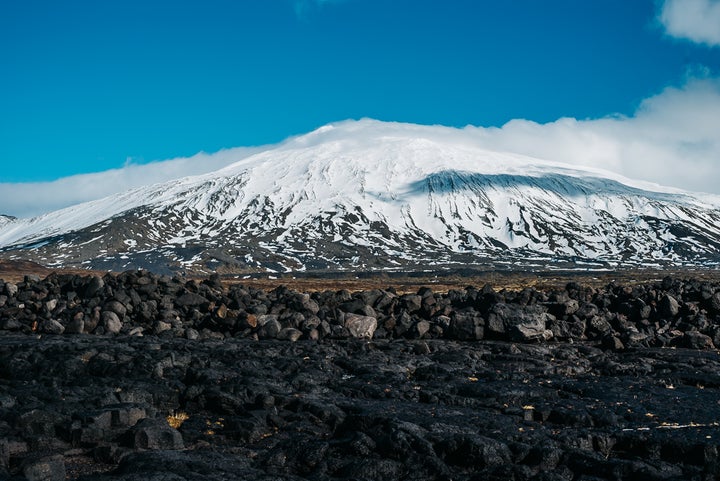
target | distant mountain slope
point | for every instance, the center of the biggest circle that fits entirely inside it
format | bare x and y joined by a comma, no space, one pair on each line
6,219
368,194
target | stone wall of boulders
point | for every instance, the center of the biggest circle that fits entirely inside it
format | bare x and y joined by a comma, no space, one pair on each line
673,312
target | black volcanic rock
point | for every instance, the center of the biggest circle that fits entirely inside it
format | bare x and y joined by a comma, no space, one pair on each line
323,410
50,468
466,325
668,307
154,434
648,315
714,303
518,322
190,299
238,383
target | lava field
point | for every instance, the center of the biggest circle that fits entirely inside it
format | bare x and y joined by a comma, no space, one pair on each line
138,376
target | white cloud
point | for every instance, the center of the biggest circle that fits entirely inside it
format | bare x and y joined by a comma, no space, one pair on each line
696,20
672,139
33,198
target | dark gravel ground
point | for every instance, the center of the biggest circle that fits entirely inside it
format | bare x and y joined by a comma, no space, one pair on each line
97,408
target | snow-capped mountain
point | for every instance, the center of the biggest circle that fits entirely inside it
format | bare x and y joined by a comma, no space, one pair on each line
369,195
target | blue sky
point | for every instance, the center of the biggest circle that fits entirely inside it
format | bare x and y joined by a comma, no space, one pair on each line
88,85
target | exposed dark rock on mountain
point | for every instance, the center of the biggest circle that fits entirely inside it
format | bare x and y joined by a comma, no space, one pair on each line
146,377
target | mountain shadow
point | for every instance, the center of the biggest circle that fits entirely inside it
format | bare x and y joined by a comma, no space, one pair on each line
448,181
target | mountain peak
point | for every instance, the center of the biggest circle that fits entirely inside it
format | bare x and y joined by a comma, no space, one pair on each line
371,194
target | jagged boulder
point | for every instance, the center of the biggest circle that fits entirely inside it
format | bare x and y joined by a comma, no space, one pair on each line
467,325
518,323
668,307
155,434
360,326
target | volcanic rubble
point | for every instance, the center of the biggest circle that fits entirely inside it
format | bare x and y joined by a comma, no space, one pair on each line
138,376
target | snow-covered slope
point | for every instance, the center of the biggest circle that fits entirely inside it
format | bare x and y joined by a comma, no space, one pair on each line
6,219
373,194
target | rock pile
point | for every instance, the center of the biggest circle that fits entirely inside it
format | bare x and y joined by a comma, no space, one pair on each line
683,313
144,377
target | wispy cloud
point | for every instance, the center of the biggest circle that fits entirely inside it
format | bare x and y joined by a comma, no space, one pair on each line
695,20
34,198
672,139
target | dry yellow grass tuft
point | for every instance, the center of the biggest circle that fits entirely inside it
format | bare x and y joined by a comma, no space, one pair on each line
176,419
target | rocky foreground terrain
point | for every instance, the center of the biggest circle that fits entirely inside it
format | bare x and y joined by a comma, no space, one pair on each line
138,376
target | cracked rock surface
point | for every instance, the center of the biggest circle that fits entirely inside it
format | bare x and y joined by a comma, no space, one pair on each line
136,408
